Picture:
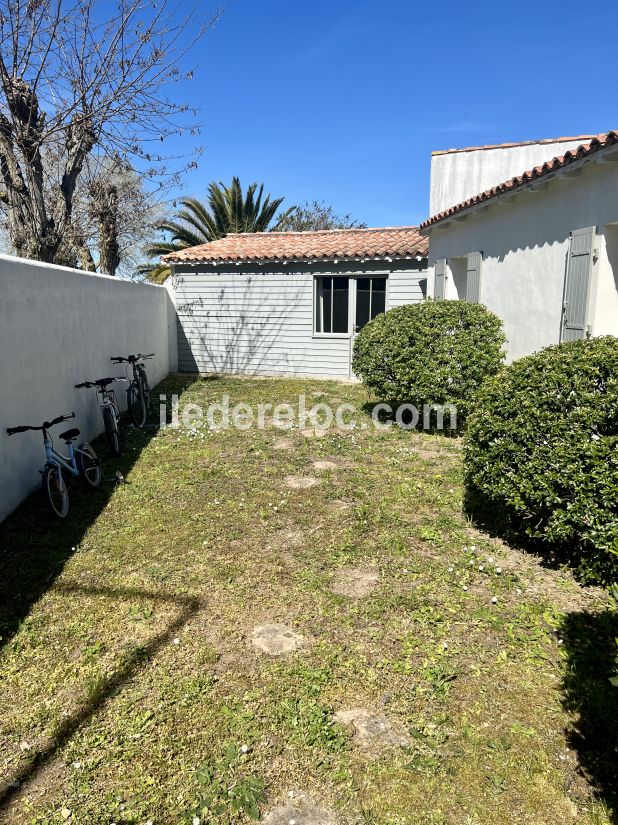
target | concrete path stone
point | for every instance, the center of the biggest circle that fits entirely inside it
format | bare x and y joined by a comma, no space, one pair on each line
303,814
372,729
355,582
313,433
325,465
276,639
301,482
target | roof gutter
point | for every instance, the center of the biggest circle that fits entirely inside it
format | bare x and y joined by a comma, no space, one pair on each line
306,261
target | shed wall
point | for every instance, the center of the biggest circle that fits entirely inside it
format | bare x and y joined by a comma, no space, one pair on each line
259,320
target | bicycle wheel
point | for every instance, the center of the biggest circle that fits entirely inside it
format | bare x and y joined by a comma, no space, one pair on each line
88,465
111,430
137,405
55,491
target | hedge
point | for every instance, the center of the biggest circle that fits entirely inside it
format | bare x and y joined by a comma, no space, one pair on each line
541,454
435,352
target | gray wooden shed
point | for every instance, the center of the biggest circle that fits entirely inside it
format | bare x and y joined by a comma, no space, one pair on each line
290,303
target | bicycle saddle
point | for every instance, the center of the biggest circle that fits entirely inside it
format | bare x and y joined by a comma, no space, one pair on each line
69,435
103,382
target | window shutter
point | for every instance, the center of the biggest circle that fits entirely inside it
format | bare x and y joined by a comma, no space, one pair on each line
439,278
473,277
579,266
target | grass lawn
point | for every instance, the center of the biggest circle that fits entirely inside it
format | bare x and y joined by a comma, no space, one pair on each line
441,677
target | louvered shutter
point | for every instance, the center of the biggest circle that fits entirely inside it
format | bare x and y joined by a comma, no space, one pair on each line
473,277
440,278
579,267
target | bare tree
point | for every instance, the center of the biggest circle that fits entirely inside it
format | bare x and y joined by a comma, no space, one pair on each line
114,216
81,80
315,216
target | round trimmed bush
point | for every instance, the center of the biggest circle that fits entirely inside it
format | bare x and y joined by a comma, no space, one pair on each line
541,453
435,352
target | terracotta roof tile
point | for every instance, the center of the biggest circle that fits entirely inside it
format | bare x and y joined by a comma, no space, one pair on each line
513,145
345,244
516,183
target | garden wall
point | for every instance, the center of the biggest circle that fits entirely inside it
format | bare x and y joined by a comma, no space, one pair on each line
59,327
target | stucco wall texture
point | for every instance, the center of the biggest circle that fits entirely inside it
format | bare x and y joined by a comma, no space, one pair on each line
59,327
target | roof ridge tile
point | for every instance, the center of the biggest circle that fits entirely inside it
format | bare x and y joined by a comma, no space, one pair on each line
512,144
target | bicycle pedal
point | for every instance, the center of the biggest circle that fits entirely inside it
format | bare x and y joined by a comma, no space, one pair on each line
120,478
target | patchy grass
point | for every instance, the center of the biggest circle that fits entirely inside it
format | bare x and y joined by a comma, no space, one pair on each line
130,692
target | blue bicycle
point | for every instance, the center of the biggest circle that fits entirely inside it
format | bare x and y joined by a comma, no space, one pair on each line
81,461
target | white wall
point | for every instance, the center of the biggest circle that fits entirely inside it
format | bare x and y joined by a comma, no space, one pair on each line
172,325
260,321
525,243
457,175
59,327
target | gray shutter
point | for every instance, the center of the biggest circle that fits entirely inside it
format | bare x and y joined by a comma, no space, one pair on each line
439,278
473,277
579,266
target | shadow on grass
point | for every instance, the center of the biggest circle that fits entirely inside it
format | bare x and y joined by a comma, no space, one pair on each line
17,783
590,642
35,545
34,548
589,564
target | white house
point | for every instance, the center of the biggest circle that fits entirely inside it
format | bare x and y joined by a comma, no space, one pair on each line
290,303
538,247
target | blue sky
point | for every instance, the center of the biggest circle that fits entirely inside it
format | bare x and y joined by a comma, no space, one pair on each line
345,100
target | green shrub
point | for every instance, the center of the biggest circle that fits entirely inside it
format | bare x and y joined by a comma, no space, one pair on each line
541,453
436,352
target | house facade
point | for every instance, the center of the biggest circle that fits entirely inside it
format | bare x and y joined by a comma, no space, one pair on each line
290,303
538,248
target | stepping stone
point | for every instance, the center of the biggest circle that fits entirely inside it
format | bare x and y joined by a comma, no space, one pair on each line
304,814
372,729
276,639
301,482
283,444
355,582
294,537
341,504
325,465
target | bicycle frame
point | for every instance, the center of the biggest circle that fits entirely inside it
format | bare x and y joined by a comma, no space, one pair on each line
142,377
55,459
108,399
139,373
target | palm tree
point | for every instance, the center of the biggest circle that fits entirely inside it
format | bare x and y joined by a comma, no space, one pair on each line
227,210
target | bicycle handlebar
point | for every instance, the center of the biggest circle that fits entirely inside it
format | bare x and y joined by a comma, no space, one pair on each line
46,425
59,420
99,383
131,359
